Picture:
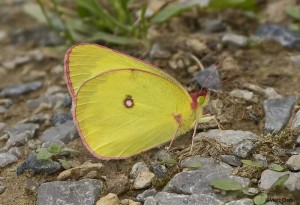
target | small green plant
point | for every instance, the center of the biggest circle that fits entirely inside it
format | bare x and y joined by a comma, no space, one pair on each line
252,164
260,197
53,152
294,13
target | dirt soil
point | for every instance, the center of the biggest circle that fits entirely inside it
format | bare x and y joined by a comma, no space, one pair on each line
267,65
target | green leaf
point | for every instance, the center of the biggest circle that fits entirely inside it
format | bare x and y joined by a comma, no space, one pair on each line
250,191
43,154
194,166
260,199
66,164
294,27
67,149
168,12
293,12
252,164
276,167
280,181
226,184
54,148
110,38
170,161
241,4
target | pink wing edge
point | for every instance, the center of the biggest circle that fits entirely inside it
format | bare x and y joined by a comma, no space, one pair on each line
73,110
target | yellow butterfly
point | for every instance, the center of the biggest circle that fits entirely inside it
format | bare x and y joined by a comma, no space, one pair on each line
123,106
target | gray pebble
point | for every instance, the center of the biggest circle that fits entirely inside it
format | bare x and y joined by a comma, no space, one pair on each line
65,132
284,36
144,195
235,39
2,110
227,137
21,89
243,149
214,25
85,192
291,152
38,166
159,170
55,101
295,60
293,163
278,112
20,134
243,94
260,158
137,168
209,78
298,140
231,160
7,159
164,198
17,151
61,118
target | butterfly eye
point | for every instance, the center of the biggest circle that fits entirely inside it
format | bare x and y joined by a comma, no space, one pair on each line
201,100
128,102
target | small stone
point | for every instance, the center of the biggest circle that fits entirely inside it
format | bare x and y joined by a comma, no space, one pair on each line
118,185
268,178
20,134
293,163
7,159
2,109
65,132
214,26
61,118
296,121
195,46
276,32
164,198
34,144
163,156
32,185
244,94
55,101
209,78
91,175
260,158
143,180
9,65
243,149
291,152
227,137
235,39
58,69
109,199
271,93
38,166
2,189
157,52
129,202
241,202
137,168
231,160
80,171
19,60
278,112
38,118
85,192
159,170
147,193
17,151
21,89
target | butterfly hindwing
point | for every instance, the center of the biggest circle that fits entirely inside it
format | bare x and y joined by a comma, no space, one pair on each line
123,112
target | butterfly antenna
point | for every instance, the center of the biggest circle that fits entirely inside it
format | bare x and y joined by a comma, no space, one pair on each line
221,60
227,79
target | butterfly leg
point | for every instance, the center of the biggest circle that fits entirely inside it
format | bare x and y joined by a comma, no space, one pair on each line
194,134
173,138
